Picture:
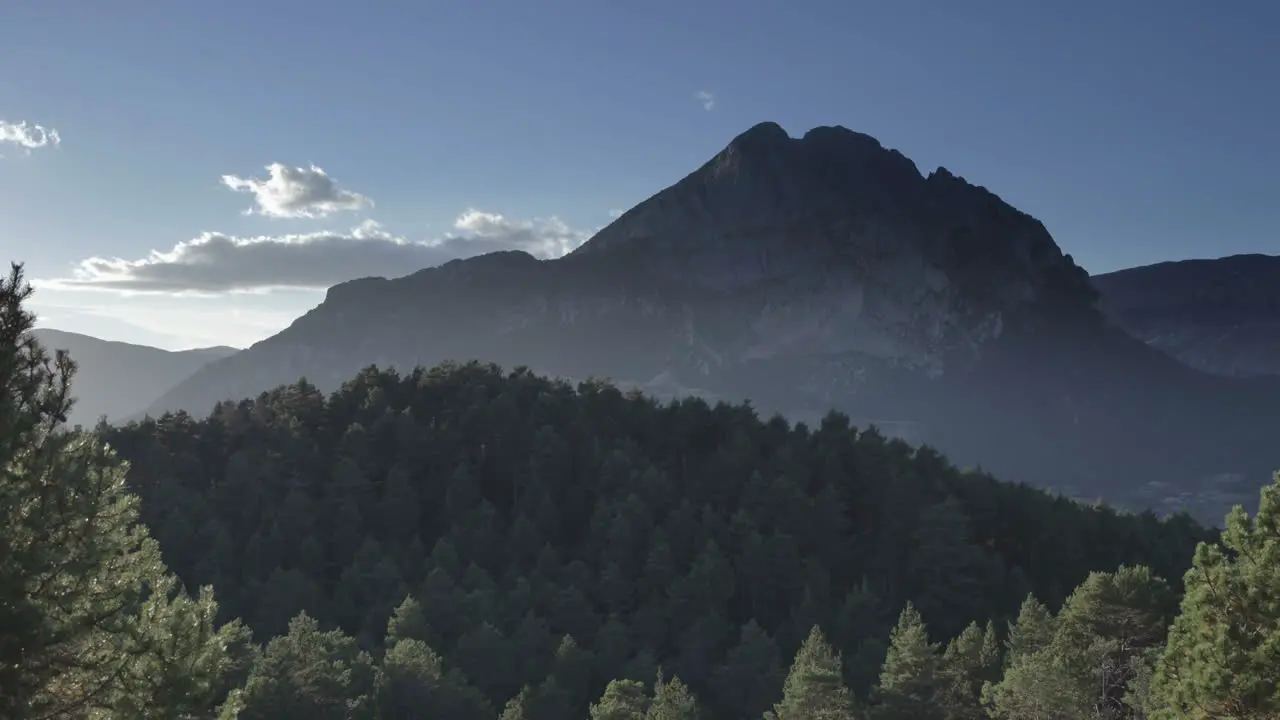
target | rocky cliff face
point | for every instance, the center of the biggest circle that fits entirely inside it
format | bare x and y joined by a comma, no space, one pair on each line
838,246
806,273
1221,316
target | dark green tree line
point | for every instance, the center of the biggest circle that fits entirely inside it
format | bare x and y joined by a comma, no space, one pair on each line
464,543
520,513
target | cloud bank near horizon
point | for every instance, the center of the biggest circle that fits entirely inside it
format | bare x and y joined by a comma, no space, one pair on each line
215,262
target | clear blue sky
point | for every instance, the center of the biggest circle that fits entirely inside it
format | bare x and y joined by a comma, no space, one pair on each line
1137,131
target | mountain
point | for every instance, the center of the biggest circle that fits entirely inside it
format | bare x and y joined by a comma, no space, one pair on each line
117,379
812,273
1221,316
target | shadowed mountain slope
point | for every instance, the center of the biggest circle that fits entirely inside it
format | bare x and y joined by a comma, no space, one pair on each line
809,273
1221,316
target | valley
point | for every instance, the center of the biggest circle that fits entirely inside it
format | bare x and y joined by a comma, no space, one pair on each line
116,379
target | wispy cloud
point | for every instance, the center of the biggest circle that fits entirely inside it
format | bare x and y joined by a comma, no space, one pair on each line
28,136
707,99
296,192
219,263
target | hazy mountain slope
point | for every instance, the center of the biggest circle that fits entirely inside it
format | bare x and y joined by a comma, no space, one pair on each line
118,379
809,273
1221,316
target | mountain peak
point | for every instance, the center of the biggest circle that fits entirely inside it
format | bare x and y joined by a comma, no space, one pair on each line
766,148
765,134
839,136
770,134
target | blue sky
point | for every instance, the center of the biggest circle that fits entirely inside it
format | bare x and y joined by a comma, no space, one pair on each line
1137,131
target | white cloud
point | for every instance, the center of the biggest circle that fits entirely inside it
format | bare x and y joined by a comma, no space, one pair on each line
296,192
544,238
615,213
28,136
708,100
219,263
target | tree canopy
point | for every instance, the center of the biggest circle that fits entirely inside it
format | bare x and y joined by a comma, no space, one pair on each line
464,542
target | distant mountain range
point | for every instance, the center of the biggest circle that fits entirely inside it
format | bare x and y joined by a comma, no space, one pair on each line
118,380
1221,316
823,272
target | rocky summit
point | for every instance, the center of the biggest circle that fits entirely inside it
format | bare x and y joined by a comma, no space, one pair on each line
831,245
810,273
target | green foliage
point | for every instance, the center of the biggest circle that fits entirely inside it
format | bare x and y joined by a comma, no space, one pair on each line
518,707
911,680
814,688
672,700
969,662
746,684
91,622
697,538
309,674
1031,632
1100,644
407,623
581,541
622,700
412,683
1223,655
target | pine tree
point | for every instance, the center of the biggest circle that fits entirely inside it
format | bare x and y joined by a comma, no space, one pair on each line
1222,659
90,618
622,700
1101,638
309,675
910,680
751,676
1032,631
970,660
413,684
1107,628
1039,687
572,670
672,700
814,688
947,570
517,708
407,623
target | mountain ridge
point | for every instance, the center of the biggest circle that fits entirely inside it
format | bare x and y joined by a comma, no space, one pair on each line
807,273
604,263
1219,315
115,379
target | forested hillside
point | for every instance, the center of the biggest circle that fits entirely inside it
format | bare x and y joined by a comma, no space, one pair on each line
519,511
460,542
